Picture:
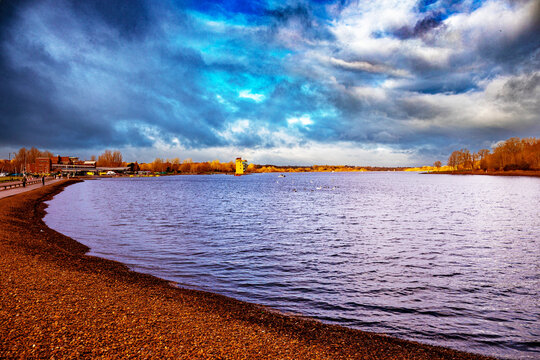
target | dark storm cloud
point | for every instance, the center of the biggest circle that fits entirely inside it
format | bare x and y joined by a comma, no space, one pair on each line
520,49
39,107
422,26
302,18
434,82
521,88
300,13
30,116
129,18
225,7
434,13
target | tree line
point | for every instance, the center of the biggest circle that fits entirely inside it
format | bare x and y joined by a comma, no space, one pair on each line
109,159
187,166
17,161
512,154
114,158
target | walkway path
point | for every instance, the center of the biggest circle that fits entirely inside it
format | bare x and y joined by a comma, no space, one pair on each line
18,190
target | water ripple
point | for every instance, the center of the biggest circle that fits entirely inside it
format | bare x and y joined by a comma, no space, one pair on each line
451,261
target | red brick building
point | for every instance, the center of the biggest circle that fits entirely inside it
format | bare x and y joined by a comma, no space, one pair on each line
41,166
44,165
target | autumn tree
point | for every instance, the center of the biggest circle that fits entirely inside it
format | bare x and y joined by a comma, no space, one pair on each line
185,167
6,166
453,160
145,167
175,164
32,155
158,165
531,152
110,159
20,160
24,157
437,164
201,168
251,168
464,159
512,154
481,156
215,165
229,167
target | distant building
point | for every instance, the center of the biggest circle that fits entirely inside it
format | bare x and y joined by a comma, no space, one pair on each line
241,166
42,165
66,164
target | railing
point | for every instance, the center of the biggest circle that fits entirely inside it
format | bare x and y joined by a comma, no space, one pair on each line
19,184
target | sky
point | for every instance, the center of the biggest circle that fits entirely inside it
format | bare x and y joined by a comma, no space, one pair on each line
381,83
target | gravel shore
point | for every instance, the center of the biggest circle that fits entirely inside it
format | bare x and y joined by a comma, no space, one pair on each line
57,302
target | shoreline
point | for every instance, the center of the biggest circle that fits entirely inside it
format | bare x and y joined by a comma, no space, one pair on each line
58,302
525,173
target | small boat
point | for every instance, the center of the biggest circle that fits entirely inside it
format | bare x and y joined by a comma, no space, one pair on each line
281,175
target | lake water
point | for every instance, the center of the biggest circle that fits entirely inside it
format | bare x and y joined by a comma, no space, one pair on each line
440,259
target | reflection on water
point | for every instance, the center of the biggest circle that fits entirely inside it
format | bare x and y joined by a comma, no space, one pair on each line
446,260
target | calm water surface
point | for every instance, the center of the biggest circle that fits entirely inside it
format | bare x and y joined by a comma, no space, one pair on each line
446,260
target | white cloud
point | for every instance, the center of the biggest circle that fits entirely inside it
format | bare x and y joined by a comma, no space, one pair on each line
486,108
235,128
341,153
355,27
247,94
228,105
369,93
368,67
304,120
493,22
240,126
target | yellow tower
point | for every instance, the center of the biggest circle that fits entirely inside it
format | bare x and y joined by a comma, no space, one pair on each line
241,166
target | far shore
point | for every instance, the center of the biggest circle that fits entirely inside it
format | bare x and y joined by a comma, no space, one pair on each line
57,302
531,173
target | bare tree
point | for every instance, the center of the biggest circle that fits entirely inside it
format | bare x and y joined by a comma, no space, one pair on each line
110,159
482,155
453,160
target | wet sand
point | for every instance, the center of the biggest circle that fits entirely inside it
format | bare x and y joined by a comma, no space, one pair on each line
57,302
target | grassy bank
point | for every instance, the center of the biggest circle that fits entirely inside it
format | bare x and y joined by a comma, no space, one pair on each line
10,178
57,302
